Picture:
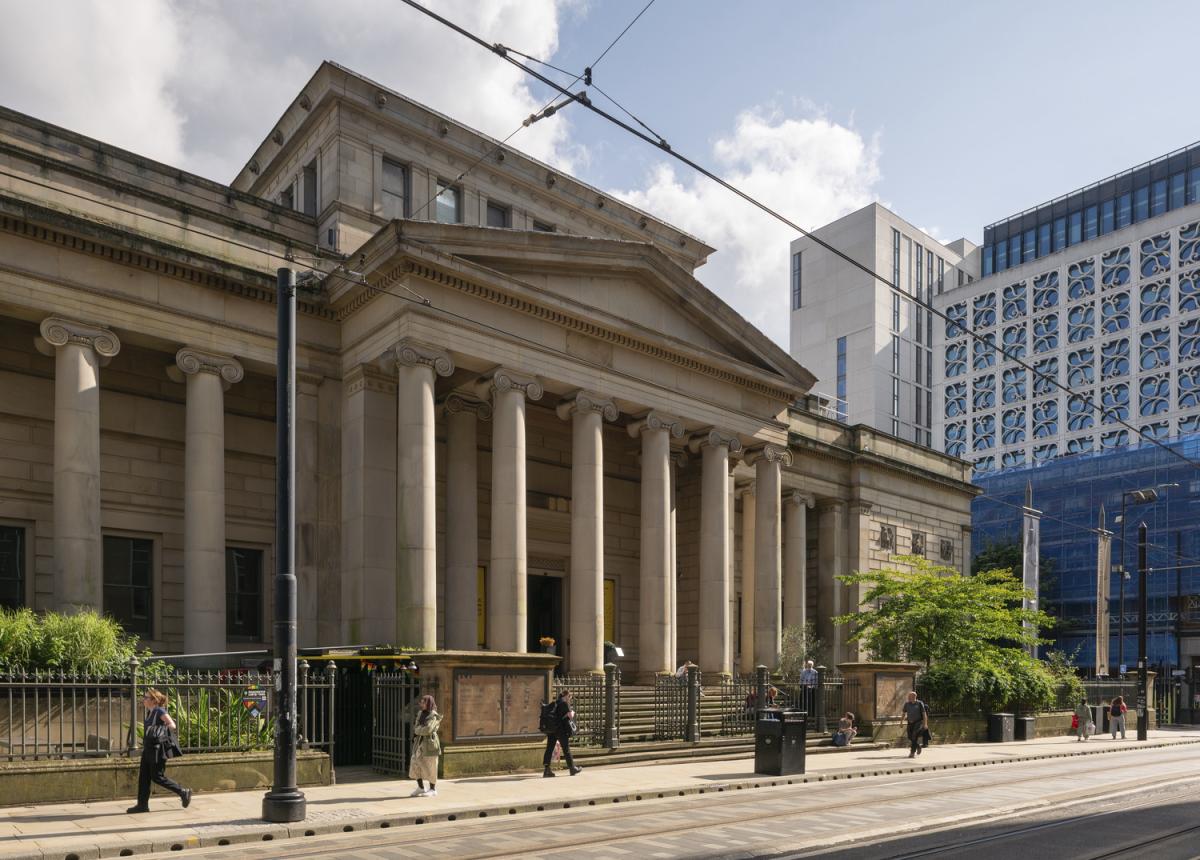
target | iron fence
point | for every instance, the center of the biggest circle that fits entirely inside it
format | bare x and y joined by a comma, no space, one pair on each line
587,698
55,715
670,707
736,699
394,697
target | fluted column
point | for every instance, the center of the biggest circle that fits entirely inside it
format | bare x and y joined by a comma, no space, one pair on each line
417,365
831,562
462,519
716,574
507,607
208,377
587,412
746,652
79,350
654,598
768,576
795,559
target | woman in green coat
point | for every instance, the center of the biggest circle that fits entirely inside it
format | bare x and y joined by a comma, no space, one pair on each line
426,749
1083,717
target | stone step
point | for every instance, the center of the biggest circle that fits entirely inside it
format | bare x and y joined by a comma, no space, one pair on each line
635,753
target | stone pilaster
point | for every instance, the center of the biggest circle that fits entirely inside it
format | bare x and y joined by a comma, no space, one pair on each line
417,367
716,572
79,351
768,576
207,376
463,413
795,562
749,515
831,562
858,557
654,626
507,610
587,412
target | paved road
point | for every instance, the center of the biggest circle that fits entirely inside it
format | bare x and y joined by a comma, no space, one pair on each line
1088,807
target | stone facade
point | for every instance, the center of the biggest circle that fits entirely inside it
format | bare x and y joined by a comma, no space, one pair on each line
552,407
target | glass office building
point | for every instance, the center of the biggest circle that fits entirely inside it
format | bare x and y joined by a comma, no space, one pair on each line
1069,492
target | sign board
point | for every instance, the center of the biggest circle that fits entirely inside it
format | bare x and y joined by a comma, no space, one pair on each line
1178,673
254,700
497,704
1123,669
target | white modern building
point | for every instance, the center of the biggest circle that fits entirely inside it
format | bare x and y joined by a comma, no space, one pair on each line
872,351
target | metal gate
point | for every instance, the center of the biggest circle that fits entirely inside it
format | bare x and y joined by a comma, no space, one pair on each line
394,698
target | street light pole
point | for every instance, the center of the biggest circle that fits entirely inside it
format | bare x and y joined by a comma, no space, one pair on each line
1143,714
285,802
1121,603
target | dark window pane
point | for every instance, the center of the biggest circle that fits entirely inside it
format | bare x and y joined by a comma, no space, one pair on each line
1043,243
395,190
1090,222
1124,210
1075,230
1028,251
543,227
1001,256
243,592
1014,250
498,216
447,204
12,566
1141,203
1158,197
1060,233
129,582
1178,190
1193,195
987,263
1107,210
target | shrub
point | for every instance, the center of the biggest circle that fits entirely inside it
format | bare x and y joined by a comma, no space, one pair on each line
85,643
797,645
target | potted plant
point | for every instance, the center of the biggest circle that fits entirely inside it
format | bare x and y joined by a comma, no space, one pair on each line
547,643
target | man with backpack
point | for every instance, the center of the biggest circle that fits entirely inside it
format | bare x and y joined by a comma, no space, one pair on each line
917,717
557,723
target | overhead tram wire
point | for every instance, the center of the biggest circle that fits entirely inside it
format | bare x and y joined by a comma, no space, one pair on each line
921,303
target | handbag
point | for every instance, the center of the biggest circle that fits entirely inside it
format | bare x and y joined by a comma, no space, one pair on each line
1075,721
165,742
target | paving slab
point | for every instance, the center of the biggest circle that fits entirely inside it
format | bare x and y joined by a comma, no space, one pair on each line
103,829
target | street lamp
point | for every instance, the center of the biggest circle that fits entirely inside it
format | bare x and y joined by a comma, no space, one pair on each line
1138,497
1143,712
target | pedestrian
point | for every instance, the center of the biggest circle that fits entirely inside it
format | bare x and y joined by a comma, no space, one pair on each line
681,674
808,675
426,748
1083,720
1116,716
808,687
158,745
846,730
564,728
917,717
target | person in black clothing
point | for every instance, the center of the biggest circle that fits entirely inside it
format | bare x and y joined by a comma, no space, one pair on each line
154,753
564,722
917,717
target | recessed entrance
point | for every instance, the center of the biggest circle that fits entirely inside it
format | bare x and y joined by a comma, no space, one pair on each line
545,611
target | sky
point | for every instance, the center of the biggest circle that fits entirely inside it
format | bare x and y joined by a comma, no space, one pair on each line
952,114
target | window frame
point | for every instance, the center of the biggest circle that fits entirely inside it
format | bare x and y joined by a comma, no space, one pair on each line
444,185
265,551
505,211
155,539
29,527
543,227
405,194
797,280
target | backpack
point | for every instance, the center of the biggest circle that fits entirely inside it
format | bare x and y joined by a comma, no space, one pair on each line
548,718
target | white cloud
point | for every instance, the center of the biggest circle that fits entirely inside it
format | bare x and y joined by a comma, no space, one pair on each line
811,170
199,83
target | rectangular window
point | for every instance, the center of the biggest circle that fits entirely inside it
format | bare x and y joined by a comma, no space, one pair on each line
929,410
895,401
987,263
287,197
961,276
1107,211
929,369
896,354
12,567
941,275
796,296
841,379
1060,233
920,318
394,196
929,272
1124,210
243,593
1028,248
920,375
1014,250
1001,256
920,272
498,216
1043,242
449,203
1158,197
1091,222
543,227
896,258
1193,195
1075,228
1141,204
908,265
308,188
1178,190
918,412
129,583
895,311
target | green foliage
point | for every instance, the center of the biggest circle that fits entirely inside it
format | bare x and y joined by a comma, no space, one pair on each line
85,643
1014,682
798,645
215,718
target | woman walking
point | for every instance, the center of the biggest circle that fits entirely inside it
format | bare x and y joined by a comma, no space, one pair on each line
1083,720
1116,716
564,727
157,746
427,749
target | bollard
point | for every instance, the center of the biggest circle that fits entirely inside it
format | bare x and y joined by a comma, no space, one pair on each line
612,731
819,701
692,732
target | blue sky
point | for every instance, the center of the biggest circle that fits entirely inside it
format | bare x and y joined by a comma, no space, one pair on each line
953,114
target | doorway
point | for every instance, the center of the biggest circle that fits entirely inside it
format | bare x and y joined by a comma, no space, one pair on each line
544,606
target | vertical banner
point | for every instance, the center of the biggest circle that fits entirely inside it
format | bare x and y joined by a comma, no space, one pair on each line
1030,542
1103,587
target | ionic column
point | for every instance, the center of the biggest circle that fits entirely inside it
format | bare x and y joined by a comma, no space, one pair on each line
768,583
795,562
716,572
654,598
746,653
831,562
208,377
462,519
588,412
507,609
79,350
416,492
678,462
858,557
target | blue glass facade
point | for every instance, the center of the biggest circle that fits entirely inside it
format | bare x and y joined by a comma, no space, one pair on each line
1069,491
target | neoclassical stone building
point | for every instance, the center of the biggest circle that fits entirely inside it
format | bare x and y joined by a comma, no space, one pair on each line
519,413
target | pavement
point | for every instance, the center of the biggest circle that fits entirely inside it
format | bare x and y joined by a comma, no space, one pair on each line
362,801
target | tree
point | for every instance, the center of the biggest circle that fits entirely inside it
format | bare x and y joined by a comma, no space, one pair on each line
798,645
1010,555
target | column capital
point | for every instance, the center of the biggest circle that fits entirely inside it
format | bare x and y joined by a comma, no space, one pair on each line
770,453
411,353
58,331
504,379
586,401
796,497
713,438
657,421
461,401
189,361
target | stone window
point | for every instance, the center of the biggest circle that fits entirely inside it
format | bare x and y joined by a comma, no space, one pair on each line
243,593
947,549
449,203
394,195
12,567
887,537
129,583
498,215
918,543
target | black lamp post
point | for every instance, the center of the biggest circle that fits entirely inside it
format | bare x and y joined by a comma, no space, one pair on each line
1138,497
1143,713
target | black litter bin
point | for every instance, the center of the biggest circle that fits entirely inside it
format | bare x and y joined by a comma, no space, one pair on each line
779,739
1026,728
795,737
1000,728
